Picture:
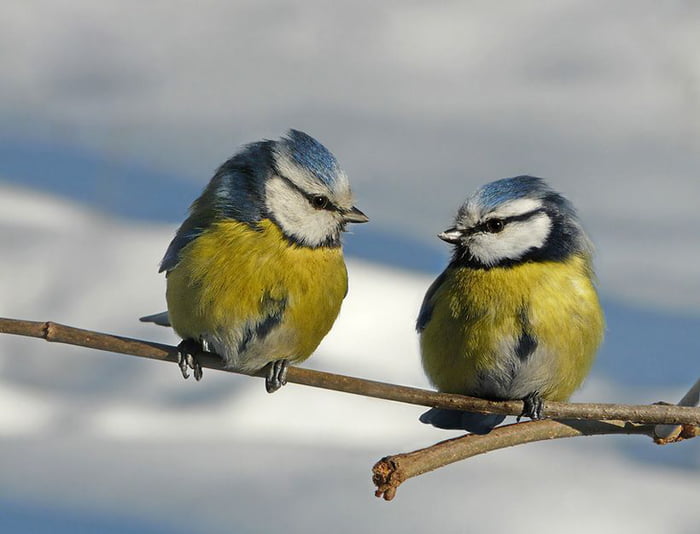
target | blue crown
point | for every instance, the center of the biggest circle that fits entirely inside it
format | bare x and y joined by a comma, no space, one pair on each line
496,193
312,155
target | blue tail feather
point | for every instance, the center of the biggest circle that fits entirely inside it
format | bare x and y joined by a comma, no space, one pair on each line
476,423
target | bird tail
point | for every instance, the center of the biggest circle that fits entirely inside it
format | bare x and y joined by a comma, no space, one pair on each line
161,319
476,423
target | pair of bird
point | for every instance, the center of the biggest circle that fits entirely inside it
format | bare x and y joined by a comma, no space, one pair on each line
256,274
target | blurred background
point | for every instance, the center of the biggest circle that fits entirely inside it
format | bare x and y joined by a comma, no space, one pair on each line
114,115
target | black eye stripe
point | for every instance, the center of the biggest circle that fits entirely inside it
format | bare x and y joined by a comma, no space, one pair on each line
505,220
524,216
313,199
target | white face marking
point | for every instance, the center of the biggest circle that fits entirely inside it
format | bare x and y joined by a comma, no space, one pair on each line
472,212
297,217
291,208
516,238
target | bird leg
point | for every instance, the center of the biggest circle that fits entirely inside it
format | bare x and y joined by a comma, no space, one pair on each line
187,359
532,406
276,375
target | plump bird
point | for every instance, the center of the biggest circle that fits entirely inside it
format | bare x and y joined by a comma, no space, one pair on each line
515,315
256,272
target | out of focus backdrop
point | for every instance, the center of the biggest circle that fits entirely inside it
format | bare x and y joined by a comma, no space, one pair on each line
114,115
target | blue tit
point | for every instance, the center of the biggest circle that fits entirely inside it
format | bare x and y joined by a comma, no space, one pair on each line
256,272
515,315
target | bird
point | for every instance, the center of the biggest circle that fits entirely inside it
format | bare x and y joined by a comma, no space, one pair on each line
256,272
516,314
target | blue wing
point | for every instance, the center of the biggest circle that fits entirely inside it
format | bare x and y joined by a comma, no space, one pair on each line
235,192
184,236
426,310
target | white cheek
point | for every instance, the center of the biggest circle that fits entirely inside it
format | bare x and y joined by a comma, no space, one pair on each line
297,217
513,242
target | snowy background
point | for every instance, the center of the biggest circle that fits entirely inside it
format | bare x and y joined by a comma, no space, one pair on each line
113,115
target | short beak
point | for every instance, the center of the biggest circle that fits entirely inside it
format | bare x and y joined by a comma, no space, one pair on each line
451,235
353,215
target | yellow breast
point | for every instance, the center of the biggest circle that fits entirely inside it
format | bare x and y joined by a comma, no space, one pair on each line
477,318
227,276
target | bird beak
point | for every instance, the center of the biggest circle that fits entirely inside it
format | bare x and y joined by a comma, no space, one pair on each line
451,235
353,215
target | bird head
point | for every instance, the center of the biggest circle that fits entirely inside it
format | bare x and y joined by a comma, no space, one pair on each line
515,220
294,181
307,193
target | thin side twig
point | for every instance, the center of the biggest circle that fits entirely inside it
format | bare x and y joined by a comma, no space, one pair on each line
665,433
648,414
391,471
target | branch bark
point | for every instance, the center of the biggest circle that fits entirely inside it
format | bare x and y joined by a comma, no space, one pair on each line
647,414
391,471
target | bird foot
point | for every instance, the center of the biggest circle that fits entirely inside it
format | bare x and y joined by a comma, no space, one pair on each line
533,406
187,359
276,375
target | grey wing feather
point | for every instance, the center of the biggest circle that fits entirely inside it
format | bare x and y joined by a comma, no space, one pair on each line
426,310
161,319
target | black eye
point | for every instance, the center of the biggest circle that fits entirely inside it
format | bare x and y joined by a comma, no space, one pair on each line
494,225
319,202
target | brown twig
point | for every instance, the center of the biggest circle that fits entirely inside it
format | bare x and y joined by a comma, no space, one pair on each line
391,471
648,414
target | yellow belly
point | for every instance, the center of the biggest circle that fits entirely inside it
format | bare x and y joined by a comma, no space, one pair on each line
476,320
228,275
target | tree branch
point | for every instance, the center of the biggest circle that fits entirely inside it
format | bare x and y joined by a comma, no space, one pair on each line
391,471
647,414
673,423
